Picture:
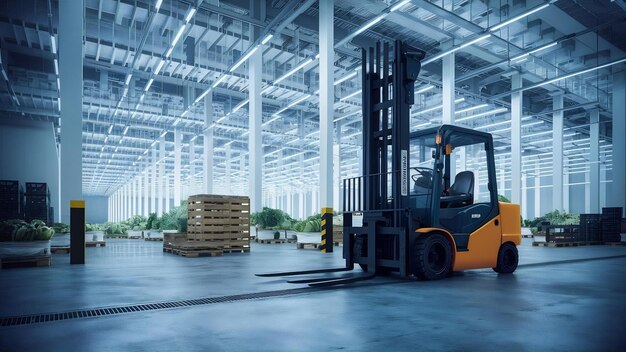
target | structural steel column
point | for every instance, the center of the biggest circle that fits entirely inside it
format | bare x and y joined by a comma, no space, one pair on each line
140,197
537,184
523,203
557,153
70,39
566,186
168,193
618,189
326,100
448,78
146,192
192,168
133,198
161,177
153,182
207,178
227,164
178,139
593,198
337,192
255,137
516,141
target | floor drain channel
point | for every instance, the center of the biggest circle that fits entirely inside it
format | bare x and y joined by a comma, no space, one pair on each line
100,312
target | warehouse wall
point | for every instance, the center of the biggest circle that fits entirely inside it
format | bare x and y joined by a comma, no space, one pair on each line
28,153
96,209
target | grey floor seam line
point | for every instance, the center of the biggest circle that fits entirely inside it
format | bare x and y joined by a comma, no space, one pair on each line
37,318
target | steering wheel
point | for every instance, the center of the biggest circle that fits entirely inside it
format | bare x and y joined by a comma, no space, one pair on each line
424,173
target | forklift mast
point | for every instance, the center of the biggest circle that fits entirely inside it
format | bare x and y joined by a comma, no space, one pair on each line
387,100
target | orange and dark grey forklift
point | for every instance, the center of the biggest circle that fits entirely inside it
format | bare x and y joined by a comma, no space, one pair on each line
416,218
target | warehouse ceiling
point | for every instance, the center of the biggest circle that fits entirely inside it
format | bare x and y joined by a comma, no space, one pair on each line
131,99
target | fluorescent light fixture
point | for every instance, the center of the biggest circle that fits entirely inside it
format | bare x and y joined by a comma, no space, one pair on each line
110,129
53,44
455,49
178,35
533,124
157,6
163,134
577,73
125,130
524,56
4,74
518,17
120,142
368,25
345,78
347,115
471,108
274,118
425,89
266,89
317,56
190,14
130,75
169,51
106,139
240,105
58,82
292,104
202,95
267,39
494,124
159,67
219,80
350,95
293,70
398,5
184,113
56,67
193,138
148,85
59,106
153,144
140,99
437,107
486,113
536,134
125,92
243,59
145,152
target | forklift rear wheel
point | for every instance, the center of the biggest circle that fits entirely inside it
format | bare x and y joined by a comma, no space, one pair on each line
433,257
507,259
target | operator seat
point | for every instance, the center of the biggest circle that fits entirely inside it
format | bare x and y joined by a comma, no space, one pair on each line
461,192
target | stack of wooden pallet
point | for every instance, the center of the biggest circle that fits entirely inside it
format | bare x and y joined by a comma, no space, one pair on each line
216,225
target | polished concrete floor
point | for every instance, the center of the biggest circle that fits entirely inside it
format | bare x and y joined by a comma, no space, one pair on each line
579,304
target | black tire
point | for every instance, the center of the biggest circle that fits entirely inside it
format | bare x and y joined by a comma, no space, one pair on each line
507,259
433,257
360,251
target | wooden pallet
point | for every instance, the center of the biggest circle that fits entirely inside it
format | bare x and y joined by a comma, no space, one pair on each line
22,262
134,237
153,238
527,236
60,250
304,245
194,253
115,237
565,244
280,240
95,244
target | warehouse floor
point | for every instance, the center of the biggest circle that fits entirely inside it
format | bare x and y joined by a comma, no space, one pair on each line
578,305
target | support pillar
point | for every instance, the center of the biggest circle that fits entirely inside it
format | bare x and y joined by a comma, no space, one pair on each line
178,141
161,185
70,39
593,198
153,182
524,204
255,149
207,178
618,188
537,184
557,153
516,141
448,108
192,168
337,193
326,101
146,192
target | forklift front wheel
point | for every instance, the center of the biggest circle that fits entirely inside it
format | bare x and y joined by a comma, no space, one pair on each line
433,256
507,259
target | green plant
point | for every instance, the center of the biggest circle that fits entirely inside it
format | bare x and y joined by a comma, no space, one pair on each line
276,235
60,228
503,199
116,229
269,218
150,222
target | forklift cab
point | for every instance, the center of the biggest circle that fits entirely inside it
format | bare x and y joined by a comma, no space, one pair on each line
447,192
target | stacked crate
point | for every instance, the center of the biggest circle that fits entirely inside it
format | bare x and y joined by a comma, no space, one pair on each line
219,221
37,202
590,226
611,224
11,200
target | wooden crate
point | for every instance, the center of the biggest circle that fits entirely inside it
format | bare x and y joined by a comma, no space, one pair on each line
337,233
22,262
171,239
224,221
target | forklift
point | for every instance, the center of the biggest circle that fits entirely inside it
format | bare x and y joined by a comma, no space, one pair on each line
424,220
